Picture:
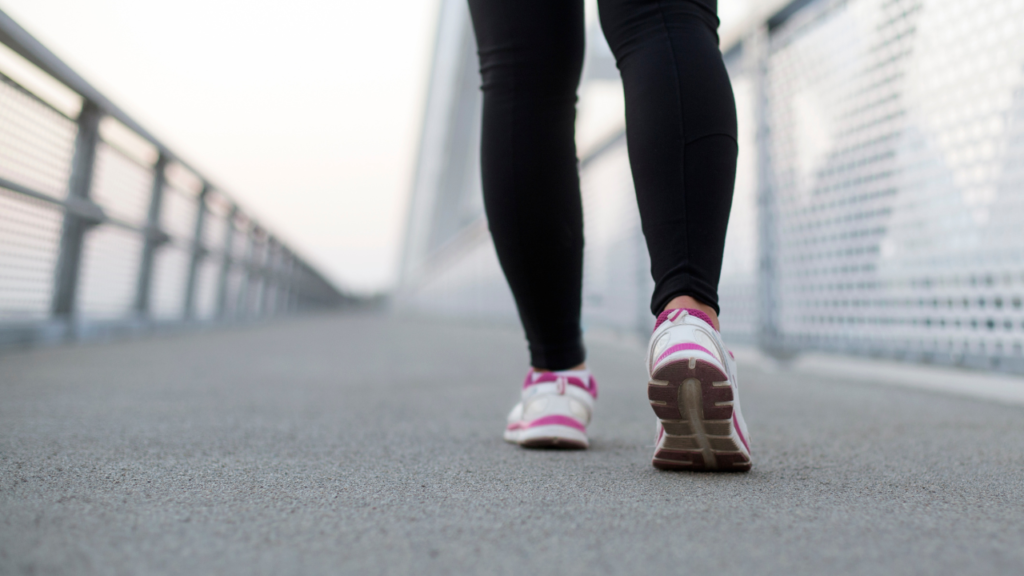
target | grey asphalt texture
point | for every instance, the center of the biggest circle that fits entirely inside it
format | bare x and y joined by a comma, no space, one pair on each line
361,444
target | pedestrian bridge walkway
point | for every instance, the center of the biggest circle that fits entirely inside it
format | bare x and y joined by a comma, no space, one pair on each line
371,444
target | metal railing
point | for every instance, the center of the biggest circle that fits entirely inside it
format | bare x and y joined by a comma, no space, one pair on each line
104,228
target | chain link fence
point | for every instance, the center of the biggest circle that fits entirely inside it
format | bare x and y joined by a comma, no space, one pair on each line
102,228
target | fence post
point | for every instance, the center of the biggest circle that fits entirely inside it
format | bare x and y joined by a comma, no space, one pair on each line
69,259
262,276
270,275
198,252
242,306
154,237
226,263
298,287
769,336
285,285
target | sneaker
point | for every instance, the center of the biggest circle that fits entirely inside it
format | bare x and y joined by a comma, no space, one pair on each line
554,411
693,391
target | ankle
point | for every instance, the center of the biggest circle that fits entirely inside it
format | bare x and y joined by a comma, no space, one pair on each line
689,302
574,368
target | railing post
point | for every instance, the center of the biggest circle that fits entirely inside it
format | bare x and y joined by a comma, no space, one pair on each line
198,252
768,330
259,271
242,306
226,263
298,294
69,259
296,287
269,277
285,285
154,237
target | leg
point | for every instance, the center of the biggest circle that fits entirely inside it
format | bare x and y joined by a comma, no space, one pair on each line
531,57
681,132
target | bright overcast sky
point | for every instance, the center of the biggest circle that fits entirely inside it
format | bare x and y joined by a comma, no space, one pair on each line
308,112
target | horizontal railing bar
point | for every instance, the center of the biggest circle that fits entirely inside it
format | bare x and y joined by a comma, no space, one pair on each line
14,84
26,191
124,224
90,211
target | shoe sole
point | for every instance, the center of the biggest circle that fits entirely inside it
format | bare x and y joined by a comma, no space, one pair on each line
552,436
693,400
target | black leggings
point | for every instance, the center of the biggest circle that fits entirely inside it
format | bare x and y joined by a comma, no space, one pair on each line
680,132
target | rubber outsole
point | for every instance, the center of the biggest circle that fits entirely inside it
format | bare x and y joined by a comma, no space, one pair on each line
553,442
551,436
693,400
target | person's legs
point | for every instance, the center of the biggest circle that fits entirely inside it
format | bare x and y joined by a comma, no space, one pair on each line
531,57
681,132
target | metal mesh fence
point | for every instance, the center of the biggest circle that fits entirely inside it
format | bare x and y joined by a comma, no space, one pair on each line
85,242
29,236
178,214
206,290
170,273
36,141
110,271
895,153
121,185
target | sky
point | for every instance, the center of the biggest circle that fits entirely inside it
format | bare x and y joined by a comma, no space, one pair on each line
306,112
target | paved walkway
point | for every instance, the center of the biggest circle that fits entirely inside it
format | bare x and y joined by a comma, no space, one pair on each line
363,445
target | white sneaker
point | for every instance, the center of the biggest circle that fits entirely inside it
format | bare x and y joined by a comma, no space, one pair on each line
554,411
693,391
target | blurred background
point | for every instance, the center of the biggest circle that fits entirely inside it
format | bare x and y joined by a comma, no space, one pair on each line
224,160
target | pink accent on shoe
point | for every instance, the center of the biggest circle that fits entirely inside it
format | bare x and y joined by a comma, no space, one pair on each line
738,431
668,316
557,420
731,355
515,426
662,318
681,347
661,432
544,377
701,315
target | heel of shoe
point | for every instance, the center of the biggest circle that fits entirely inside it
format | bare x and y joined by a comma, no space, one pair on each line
693,399
553,436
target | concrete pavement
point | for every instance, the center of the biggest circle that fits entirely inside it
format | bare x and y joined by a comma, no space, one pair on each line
369,445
